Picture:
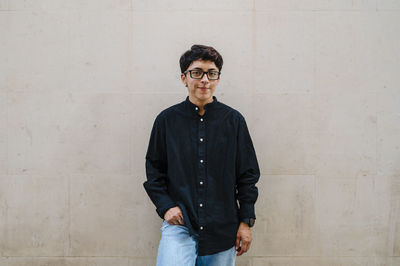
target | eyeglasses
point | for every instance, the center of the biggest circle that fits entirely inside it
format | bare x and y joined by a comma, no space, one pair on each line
198,74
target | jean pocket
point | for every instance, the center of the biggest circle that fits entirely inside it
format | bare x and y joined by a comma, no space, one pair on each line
164,225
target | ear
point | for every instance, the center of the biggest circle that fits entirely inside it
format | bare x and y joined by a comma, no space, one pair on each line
183,78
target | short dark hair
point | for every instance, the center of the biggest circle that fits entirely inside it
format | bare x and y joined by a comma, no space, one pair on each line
200,52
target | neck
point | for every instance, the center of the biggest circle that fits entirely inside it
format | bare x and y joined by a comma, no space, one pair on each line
200,103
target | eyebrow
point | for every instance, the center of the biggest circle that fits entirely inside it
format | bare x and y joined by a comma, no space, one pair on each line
203,70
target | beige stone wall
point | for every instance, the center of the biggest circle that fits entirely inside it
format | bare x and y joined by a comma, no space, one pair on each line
82,81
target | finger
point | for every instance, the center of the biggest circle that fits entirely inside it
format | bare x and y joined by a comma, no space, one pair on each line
245,246
237,245
240,251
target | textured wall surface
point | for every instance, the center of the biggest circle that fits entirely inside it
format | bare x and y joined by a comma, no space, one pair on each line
82,81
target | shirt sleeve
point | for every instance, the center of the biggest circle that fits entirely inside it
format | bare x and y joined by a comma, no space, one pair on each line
247,172
156,169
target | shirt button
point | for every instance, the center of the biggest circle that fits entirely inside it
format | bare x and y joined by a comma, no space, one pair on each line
201,119
201,139
201,182
201,227
201,204
197,108
201,161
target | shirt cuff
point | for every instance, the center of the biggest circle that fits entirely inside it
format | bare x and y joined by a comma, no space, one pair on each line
246,211
161,211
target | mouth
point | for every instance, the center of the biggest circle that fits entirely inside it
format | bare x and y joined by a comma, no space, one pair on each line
203,88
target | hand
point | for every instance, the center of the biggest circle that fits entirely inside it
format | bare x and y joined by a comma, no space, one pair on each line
174,216
243,239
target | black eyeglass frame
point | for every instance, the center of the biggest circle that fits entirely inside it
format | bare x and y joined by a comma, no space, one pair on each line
204,72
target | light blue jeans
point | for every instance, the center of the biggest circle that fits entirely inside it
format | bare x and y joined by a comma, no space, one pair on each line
178,248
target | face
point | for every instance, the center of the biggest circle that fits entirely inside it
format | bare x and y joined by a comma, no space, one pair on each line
200,90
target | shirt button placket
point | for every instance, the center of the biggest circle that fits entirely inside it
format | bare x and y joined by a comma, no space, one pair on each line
202,172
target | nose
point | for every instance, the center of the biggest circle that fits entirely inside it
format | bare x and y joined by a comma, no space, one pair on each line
205,77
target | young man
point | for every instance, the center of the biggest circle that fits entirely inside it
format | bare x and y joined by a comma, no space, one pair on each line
200,163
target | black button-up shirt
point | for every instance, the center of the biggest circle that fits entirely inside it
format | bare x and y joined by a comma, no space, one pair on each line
205,164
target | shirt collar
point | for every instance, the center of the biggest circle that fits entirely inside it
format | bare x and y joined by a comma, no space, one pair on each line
193,106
